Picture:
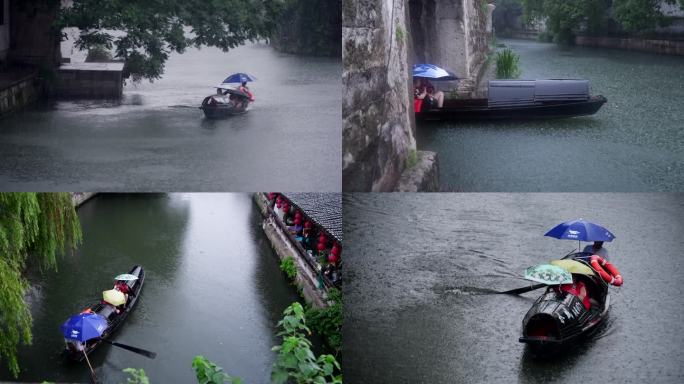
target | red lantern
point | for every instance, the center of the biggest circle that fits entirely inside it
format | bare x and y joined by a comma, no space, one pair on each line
278,199
320,246
307,224
278,205
322,238
271,195
298,214
297,221
335,251
333,259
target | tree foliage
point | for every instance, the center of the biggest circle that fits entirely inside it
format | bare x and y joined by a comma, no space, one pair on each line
327,321
144,33
564,17
34,229
506,15
295,361
638,15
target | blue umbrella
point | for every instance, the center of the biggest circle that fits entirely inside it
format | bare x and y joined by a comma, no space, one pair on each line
84,326
432,71
239,78
580,230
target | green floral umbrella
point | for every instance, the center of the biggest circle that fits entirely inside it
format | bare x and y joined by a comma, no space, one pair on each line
126,277
548,274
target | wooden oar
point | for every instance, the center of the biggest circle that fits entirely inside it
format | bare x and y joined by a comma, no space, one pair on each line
518,291
139,351
90,366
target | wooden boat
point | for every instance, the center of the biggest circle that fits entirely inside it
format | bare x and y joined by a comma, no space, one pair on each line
521,99
115,316
231,102
558,318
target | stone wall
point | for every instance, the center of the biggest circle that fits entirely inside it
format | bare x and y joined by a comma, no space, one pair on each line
378,128
89,80
34,41
669,47
19,93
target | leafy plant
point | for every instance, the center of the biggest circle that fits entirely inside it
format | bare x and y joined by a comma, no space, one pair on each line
327,322
507,64
288,266
34,229
138,376
209,373
295,360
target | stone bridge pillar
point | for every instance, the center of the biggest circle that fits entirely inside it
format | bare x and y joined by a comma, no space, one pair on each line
453,34
377,129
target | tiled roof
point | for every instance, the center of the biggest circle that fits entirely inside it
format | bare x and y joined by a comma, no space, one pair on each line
323,208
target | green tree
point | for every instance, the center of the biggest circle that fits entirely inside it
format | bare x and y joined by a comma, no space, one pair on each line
639,15
34,229
149,30
564,17
505,16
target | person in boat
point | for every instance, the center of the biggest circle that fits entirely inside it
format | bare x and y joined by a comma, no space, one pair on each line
579,289
424,90
122,287
596,249
244,89
242,101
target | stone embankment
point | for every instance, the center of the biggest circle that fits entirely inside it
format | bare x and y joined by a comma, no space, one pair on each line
667,47
18,90
81,197
306,280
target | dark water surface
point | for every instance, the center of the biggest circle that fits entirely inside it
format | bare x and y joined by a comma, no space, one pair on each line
156,139
634,143
212,287
421,270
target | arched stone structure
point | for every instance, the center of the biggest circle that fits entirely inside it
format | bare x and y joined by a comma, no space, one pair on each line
453,34
380,41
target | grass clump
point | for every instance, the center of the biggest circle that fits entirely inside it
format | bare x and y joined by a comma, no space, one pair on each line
507,64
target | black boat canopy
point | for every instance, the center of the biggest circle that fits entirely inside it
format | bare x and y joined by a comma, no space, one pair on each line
526,92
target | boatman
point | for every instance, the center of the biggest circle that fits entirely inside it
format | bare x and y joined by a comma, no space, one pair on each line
244,89
596,249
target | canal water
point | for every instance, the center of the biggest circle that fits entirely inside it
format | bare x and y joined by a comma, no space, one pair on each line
634,143
421,271
156,138
213,287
